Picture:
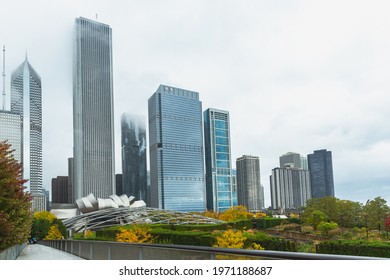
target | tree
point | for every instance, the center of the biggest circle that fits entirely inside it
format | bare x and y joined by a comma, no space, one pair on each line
42,224
136,234
235,213
316,217
54,233
15,203
325,227
376,212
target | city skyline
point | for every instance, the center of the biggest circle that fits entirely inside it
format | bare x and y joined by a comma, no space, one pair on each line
291,81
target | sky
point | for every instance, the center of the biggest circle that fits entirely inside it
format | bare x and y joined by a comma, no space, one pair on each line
296,76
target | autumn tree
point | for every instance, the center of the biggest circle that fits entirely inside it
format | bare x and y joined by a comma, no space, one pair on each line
235,213
15,203
42,224
136,234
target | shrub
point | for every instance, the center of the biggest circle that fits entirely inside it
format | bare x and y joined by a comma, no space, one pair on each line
136,234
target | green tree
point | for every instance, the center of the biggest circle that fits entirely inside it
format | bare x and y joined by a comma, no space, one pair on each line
348,213
15,203
376,212
316,217
325,227
42,223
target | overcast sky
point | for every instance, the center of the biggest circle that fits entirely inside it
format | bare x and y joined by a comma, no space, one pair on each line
296,76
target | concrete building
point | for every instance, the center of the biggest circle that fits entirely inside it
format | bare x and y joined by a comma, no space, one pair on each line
249,183
290,188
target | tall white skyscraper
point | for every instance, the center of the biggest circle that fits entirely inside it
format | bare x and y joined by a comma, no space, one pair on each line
26,100
93,113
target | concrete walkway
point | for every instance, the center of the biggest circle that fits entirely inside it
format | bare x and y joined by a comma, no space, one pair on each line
41,252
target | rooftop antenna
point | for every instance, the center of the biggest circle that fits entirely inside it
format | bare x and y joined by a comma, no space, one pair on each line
3,78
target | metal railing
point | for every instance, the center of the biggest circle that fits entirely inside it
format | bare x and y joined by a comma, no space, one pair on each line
104,250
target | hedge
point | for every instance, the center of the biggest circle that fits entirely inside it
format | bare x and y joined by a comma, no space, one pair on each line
265,223
355,248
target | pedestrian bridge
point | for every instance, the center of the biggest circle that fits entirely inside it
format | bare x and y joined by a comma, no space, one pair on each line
103,250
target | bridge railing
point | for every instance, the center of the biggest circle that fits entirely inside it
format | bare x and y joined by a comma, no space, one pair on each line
103,250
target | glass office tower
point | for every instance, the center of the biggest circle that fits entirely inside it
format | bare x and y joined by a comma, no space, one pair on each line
176,150
134,156
321,173
26,100
93,119
219,188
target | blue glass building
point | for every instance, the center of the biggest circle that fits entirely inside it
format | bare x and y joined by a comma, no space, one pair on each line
321,173
176,150
219,187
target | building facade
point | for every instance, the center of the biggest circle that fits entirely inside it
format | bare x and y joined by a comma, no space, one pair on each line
176,150
321,173
290,160
249,183
290,188
134,156
59,190
219,187
93,119
26,100
11,131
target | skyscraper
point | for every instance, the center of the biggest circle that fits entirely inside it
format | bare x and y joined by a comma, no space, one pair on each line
248,182
93,119
11,131
26,100
290,160
134,156
176,150
219,188
321,173
290,188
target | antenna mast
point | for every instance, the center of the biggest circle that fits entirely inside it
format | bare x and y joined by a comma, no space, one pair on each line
3,77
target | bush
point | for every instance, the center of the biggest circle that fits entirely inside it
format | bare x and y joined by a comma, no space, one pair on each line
355,248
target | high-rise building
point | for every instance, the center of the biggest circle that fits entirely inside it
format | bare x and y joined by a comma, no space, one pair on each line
59,190
11,131
290,188
93,116
176,150
134,156
248,182
26,100
219,189
71,197
290,160
321,173
234,186
304,163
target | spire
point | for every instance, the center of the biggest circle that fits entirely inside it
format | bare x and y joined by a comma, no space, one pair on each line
3,105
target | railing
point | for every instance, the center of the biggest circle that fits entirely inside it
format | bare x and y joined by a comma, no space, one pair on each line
102,250
12,253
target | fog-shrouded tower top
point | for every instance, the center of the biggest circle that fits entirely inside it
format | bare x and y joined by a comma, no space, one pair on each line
93,113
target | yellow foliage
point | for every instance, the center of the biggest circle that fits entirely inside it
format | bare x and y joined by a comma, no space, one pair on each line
136,234
231,239
87,233
45,215
235,213
54,233
210,214
260,215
